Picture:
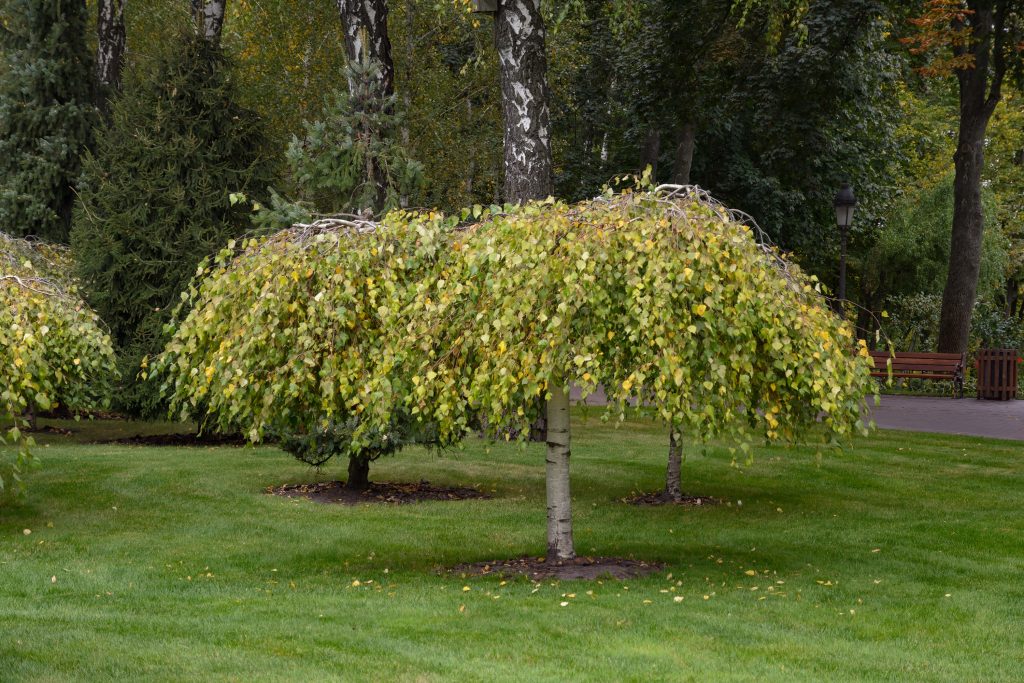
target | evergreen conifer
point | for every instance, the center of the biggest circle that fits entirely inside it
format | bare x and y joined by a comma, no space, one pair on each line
46,114
155,197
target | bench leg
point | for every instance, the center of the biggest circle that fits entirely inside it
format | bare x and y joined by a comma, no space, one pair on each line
958,385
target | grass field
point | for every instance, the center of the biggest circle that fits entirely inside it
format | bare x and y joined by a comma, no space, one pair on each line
899,560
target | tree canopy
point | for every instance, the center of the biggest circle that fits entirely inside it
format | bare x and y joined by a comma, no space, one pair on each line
54,351
664,298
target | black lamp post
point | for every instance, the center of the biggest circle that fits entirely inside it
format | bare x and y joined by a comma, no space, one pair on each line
844,204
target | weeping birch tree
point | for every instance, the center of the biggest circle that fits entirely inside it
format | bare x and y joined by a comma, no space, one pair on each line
664,299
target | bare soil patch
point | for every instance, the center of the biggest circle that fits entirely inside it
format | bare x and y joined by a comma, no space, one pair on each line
378,492
179,440
661,498
586,568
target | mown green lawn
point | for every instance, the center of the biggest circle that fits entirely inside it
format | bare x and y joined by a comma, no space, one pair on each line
899,560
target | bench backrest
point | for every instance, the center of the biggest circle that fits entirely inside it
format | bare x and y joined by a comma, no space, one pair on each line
914,361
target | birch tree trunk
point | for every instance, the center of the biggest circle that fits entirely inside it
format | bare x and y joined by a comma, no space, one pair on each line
208,16
520,40
560,541
673,473
110,45
365,23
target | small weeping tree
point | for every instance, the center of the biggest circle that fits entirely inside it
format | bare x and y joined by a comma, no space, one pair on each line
54,351
665,300
286,338
673,491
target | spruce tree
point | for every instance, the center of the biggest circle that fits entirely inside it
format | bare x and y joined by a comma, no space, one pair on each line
46,114
155,197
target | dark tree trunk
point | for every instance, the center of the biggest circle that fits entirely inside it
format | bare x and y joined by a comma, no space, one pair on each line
684,155
520,39
650,152
1012,295
979,95
673,473
208,16
358,474
365,23
110,33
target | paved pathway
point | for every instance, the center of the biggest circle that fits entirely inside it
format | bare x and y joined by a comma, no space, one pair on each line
997,419
969,416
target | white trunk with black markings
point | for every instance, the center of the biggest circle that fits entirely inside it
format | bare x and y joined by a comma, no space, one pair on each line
673,473
365,23
520,39
560,542
110,45
208,16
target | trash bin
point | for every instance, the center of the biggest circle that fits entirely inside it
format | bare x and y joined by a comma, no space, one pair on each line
997,374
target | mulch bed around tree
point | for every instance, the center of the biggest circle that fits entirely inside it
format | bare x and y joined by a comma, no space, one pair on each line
379,492
661,498
537,568
181,440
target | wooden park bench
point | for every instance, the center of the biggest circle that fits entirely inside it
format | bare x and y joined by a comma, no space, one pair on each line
917,365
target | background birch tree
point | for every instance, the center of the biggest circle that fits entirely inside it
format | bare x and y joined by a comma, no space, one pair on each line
110,50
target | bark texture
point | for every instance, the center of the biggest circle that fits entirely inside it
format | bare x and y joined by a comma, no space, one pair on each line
358,474
650,152
980,89
560,541
110,45
673,483
684,155
519,37
365,23
208,16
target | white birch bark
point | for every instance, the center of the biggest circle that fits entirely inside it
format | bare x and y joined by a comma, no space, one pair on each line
519,37
560,540
673,485
110,46
208,16
365,23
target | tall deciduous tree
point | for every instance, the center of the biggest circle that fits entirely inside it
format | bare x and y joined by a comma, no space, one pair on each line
366,40
519,37
46,114
520,40
368,49
979,42
110,47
